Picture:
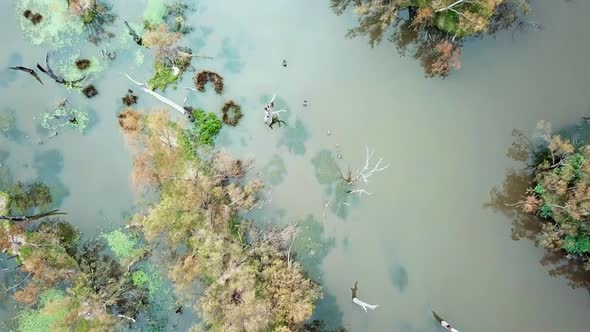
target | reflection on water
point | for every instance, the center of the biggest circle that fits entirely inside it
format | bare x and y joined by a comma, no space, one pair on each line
399,277
294,137
49,165
9,127
7,75
275,171
328,174
445,140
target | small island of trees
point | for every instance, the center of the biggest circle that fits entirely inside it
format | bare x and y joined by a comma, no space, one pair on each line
432,31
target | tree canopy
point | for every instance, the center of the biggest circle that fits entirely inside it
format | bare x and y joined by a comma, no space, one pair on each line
431,30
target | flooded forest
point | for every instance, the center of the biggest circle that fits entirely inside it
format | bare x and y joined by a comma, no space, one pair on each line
294,165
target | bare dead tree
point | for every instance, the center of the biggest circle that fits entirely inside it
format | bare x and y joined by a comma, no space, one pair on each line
19,283
270,115
33,217
136,38
161,98
362,175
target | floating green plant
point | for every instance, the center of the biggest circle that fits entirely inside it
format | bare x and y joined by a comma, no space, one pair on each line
65,116
163,76
68,67
57,27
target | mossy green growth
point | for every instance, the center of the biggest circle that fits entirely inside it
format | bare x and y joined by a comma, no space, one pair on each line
203,132
121,243
139,278
163,76
448,21
4,203
66,67
58,27
154,12
65,117
49,315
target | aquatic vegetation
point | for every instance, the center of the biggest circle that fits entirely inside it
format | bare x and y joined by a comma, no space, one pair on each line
89,91
163,76
68,67
57,27
9,127
4,203
202,78
176,15
130,120
95,16
82,64
122,244
65,116
49,315
35,18
129,99
560,193
231,113
26,198
154,12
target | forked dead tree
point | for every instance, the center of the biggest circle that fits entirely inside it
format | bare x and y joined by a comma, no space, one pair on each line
361,177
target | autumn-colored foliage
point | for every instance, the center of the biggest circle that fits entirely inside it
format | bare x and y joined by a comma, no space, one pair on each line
447,59
560,194
424,28
248,283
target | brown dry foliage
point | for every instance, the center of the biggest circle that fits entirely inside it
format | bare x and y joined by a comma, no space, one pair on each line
447,59
130,120
27,295
161,39
205,76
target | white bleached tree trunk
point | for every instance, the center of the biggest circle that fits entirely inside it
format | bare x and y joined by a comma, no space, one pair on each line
161,98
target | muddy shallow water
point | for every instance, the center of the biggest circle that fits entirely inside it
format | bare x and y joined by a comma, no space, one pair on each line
424,239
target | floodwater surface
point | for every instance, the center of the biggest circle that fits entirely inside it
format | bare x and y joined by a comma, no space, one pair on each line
426,238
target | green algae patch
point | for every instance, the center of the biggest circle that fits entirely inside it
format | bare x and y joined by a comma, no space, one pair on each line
56,27
66,67
154,12
65,117
163,76
4,203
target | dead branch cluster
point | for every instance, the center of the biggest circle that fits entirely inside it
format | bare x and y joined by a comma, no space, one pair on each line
202,78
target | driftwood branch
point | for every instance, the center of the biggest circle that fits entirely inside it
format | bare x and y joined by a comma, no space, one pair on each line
33,217
49,72
28,70
362,304
193,55
19,283
136,38
161,98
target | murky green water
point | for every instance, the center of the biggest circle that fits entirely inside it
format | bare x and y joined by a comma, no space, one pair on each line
424,239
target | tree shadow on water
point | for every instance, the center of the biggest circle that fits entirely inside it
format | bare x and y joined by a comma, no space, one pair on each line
275,171
311,247
529,226
399,277
294,137
8,126
231,55
7,75
49,165
327,174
